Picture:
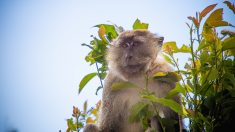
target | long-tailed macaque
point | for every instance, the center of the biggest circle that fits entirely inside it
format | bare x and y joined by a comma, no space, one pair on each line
132,56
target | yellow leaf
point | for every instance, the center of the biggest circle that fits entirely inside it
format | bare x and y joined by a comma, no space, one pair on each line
94,112
216,19
101,32
160,74
90,120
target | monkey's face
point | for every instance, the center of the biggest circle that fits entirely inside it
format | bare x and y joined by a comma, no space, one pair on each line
134,50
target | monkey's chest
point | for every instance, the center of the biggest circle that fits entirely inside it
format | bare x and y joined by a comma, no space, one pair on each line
121,105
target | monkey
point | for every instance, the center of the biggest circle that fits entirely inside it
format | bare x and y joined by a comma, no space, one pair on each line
132,56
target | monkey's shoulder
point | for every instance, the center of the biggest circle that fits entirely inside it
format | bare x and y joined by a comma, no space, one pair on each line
160,67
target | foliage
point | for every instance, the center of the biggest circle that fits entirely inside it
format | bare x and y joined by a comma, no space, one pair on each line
80,118
207,82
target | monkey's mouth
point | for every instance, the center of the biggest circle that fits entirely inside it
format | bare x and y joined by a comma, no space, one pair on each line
134,68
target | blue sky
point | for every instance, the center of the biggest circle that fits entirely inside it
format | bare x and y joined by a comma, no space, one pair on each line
42,60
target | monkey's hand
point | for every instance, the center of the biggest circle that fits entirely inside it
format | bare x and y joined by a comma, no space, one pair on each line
91,128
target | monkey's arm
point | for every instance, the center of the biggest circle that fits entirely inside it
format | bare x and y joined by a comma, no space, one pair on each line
104,116
161,86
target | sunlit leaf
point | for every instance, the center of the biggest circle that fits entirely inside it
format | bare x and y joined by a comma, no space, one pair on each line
123,85
110,31
178,89
229,43
85,107
160,74
185,49
206,11
94,112
85,80
166,102
216,19
202,45
139,25
89,58
188,88
90,120
167,76
168,59
230,5
101,33
170,47
71,125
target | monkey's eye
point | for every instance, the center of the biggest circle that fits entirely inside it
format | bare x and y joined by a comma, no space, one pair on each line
136,43
124,45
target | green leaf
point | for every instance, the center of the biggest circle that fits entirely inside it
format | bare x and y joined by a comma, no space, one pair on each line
172,45
228,43
231,78
202,45
85,107
184,49
169,123
175,76
89,58
166,102
139,25
122,85
168,59
178,89
85,80
213,74
71,125
136,110
110,31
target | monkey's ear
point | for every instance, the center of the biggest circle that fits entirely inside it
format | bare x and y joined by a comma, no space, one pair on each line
114,43
160,40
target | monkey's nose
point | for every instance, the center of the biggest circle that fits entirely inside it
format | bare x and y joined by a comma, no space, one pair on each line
129,57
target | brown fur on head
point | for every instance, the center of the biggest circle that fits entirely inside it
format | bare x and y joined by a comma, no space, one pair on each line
133,52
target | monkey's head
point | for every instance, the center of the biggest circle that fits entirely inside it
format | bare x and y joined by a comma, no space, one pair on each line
133,52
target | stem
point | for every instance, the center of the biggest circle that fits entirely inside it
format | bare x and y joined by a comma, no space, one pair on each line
195,81
77,124
99,74
177,66
158,117
198,36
